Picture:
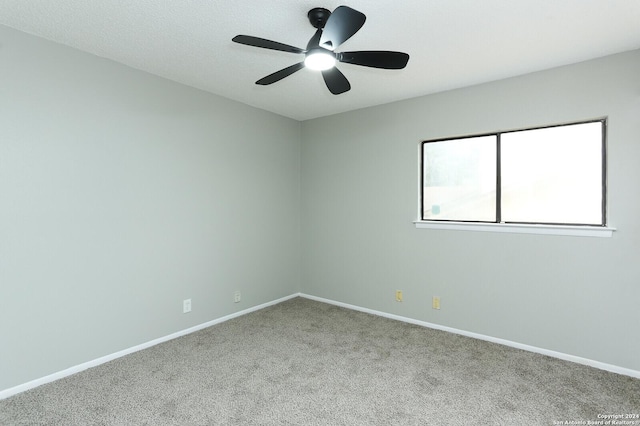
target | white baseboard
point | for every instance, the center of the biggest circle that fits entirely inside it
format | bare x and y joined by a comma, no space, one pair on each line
6,393
554,354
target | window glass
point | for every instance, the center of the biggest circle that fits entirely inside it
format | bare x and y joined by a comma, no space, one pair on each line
549,175
552,175
460,179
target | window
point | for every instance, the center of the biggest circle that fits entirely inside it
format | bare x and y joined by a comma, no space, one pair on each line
544,176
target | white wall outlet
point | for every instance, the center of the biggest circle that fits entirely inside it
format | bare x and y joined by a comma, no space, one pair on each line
435,302
186,306
236,297
398,295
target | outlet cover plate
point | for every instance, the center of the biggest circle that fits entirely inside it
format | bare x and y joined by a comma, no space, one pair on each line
435,302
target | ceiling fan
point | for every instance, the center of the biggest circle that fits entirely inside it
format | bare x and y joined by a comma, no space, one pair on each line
333,29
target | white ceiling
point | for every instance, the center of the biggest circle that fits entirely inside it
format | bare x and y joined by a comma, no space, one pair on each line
452,43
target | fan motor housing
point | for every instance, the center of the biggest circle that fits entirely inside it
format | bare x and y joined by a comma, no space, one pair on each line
318,17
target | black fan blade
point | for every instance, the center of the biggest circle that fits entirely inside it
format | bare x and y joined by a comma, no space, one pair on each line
375,59
341,25
266,44
279,75
336,81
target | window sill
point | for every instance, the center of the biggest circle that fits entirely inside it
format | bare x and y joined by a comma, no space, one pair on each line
579,231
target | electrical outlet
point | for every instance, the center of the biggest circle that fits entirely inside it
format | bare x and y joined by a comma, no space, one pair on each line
186,306
435,302
398,295
236,297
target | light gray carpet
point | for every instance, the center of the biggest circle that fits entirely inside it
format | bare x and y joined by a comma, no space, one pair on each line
307,363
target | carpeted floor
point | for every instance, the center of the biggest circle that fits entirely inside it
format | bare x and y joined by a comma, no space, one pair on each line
308,363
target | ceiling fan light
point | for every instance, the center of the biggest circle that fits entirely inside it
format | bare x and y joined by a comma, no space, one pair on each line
320,61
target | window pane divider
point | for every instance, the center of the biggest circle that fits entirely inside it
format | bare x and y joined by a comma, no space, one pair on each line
498,180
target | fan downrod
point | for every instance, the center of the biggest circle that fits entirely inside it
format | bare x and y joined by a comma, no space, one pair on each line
318,17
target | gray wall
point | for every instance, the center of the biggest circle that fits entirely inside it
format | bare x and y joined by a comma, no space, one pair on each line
574,295
121,194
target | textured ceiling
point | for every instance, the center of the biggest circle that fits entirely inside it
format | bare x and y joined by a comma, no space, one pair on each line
452,43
